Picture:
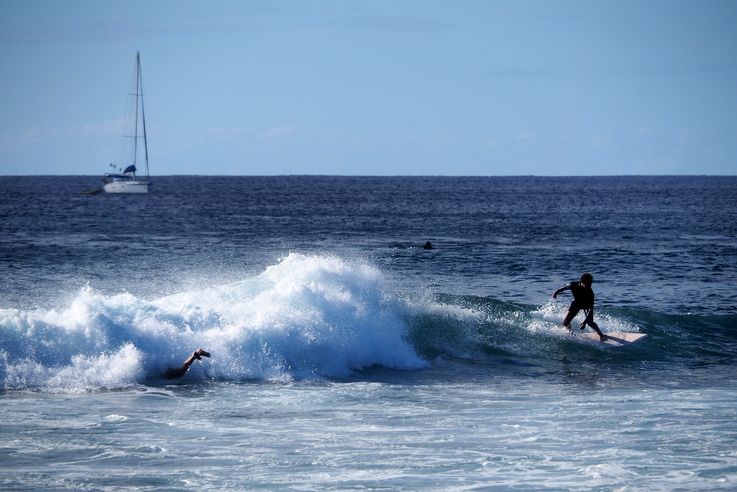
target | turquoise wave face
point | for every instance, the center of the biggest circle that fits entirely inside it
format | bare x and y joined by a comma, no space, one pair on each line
530,339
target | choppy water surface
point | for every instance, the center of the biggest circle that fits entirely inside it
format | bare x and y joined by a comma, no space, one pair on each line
346,356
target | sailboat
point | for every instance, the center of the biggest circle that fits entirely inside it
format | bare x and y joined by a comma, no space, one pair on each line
127,181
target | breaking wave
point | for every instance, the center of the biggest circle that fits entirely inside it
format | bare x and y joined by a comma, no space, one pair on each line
307,317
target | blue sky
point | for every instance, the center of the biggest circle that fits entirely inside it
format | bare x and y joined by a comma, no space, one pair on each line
373,87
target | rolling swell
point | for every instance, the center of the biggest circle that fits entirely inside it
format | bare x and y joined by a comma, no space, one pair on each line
327,317
492,330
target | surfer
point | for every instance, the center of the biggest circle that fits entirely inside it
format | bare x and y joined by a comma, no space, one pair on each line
583,299
178,372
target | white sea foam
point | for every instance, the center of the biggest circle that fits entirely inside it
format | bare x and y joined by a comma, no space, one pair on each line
305,317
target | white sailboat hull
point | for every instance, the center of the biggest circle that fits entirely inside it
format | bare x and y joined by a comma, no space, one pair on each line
126,187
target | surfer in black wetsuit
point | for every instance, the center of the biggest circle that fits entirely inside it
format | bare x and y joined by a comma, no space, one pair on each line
583,299
178,372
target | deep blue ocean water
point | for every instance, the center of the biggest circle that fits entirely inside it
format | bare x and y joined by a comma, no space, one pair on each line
346,356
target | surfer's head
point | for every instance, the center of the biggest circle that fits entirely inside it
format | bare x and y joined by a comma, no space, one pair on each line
587,279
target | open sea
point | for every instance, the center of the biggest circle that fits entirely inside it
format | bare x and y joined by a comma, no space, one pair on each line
347,357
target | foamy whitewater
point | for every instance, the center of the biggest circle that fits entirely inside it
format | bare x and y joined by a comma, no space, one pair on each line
345,356
306,317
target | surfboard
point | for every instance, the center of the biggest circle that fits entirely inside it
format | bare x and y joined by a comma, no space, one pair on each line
616,338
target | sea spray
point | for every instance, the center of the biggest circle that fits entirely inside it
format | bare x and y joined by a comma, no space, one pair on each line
306,317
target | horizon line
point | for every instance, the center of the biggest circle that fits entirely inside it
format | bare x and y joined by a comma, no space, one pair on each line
383,175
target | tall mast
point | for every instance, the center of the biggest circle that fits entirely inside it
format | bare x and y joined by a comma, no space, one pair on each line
143,112
135,125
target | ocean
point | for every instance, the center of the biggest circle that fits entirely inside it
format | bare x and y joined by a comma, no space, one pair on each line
345,355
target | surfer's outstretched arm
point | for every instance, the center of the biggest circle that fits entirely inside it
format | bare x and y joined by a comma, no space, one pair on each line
178,372
562,289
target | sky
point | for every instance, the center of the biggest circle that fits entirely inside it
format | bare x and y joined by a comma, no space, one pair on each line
401,87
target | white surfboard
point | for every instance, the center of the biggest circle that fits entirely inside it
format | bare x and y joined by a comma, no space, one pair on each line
615,338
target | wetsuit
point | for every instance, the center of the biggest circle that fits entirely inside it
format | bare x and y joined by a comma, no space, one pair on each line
583,298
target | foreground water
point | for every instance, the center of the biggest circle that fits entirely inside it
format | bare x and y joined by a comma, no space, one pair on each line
345,356
454,435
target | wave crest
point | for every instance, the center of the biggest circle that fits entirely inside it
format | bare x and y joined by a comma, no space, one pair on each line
305,317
